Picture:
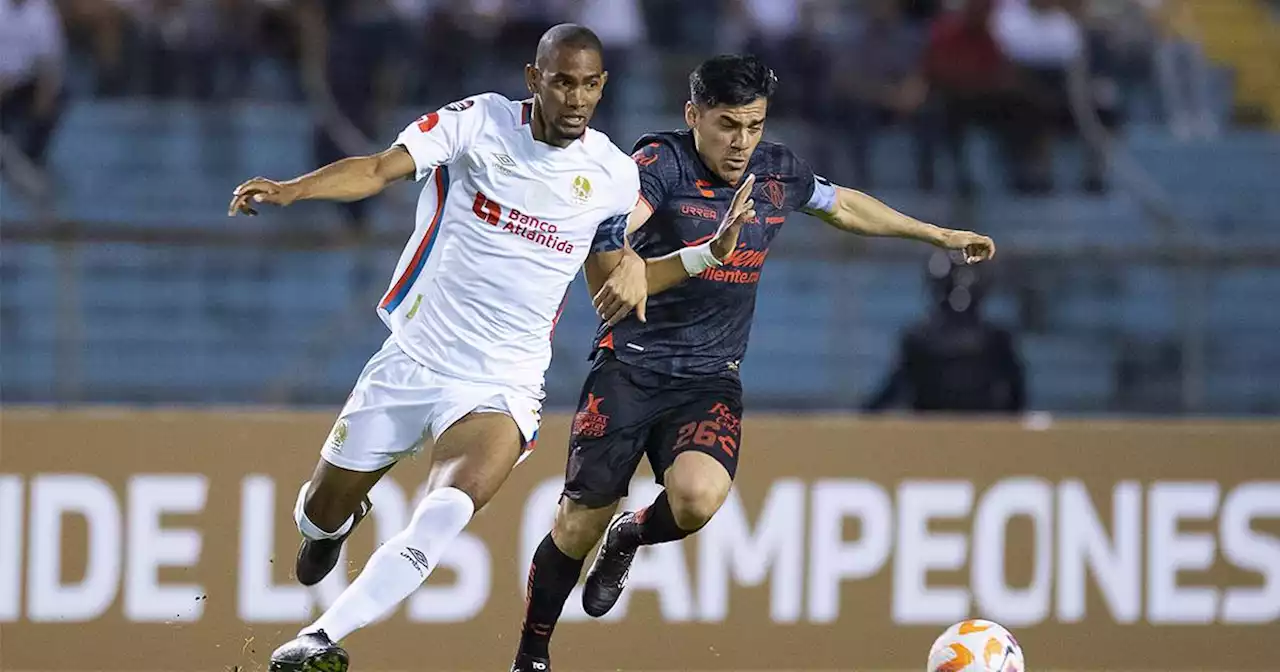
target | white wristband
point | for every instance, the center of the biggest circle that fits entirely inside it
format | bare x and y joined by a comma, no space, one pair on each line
698,258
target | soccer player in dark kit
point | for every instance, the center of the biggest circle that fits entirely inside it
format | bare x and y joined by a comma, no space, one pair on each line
712,199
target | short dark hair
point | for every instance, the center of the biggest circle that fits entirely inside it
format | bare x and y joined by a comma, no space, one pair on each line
566,35
731,79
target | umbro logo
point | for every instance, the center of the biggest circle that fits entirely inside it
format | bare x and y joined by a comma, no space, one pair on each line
506,164
416,558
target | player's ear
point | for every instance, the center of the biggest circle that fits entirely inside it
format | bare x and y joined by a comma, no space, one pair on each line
690,114
531,77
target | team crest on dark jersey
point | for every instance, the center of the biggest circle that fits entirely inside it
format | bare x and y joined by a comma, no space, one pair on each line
460,105
776,193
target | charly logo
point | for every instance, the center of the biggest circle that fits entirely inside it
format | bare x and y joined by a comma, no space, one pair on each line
581,189
338,436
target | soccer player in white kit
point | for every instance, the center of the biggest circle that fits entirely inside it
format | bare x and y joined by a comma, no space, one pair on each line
520,195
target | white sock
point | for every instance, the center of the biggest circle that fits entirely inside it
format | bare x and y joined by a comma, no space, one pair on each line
309,529
399,566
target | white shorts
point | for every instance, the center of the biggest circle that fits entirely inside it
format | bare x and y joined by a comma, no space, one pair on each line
398,405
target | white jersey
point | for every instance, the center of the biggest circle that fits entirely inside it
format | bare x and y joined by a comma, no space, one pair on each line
503,226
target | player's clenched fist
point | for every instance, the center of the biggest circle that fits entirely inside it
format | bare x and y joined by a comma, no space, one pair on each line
260,190
976,247
741,211
626,290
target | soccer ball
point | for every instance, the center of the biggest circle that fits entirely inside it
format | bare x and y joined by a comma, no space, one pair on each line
976,646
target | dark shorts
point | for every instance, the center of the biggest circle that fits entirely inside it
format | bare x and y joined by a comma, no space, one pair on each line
627,412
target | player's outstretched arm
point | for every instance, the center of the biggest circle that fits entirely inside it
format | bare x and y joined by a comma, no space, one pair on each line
351,179
859,213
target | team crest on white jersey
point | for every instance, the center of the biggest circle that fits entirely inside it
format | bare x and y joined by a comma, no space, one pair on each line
581,190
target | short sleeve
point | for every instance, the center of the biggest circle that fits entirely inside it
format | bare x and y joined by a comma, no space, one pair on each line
801,175
441,137
806,191
659,169
611,235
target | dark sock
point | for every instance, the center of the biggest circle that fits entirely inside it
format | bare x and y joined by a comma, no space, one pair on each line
655,524
552,576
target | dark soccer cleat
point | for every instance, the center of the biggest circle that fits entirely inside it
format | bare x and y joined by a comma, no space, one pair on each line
312,652
317,558
608,574
525,663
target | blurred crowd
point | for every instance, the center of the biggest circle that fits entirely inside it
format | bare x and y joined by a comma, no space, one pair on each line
1025,70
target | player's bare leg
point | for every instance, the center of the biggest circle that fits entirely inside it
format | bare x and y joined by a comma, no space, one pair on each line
553,573
578,528
696,484
472,460
329,508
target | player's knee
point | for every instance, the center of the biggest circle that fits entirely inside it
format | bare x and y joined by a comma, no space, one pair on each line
694,502
579,527
696,486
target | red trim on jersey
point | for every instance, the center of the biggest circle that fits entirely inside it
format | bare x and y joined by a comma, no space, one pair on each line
704,239
607,341
526,113
423,244
559,311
